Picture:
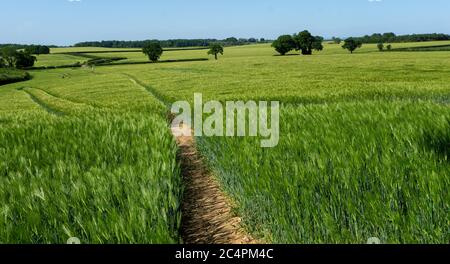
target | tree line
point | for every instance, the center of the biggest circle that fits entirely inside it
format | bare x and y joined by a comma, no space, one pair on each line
37,49
393,38
172,43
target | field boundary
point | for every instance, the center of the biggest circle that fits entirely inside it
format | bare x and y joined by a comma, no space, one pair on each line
130,51
423,48
111,63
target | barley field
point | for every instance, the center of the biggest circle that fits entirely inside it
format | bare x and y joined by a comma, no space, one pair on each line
364,147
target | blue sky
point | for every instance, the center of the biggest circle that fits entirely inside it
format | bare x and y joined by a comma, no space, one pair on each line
65,22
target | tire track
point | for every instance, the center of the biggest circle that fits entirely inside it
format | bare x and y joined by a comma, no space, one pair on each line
43,105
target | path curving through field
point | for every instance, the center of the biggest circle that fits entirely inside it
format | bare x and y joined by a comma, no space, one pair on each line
207,213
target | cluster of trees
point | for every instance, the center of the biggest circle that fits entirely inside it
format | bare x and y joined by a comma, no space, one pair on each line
336,40
12,58
303,42
37,49
154,50
392,38
172,43
381,47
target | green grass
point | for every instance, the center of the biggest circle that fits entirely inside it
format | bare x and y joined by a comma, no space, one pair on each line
363,149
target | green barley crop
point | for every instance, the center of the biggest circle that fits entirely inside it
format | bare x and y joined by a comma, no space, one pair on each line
103,178
363,148
343,173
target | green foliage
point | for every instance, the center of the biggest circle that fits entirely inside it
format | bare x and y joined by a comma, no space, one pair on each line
392,38
352,44
380,46
24,60
336,40
171,43
215,49
306,43
8,55
284,44
153,51
37,49
16,59
389,47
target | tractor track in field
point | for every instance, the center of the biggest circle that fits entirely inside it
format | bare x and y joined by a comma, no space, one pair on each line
207,212
207,216
43,105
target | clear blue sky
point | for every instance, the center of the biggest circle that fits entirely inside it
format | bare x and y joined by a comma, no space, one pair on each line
65,22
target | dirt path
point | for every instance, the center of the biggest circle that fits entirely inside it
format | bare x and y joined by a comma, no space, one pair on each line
207,217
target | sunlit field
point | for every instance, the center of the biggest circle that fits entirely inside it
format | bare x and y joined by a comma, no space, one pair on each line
363,151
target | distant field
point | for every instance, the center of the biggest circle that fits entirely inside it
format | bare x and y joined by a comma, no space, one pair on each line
57,60
362,150
167,55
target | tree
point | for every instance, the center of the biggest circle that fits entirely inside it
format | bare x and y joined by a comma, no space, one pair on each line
284,44
306,42
8,55
44,50
215,49
336,40
389,37
19,59
352,44
24,60
380,46
389,47
232,41
153,51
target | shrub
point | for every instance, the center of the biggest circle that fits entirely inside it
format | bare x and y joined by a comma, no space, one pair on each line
380,46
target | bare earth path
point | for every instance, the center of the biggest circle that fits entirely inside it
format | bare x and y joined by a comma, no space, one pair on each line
207,217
